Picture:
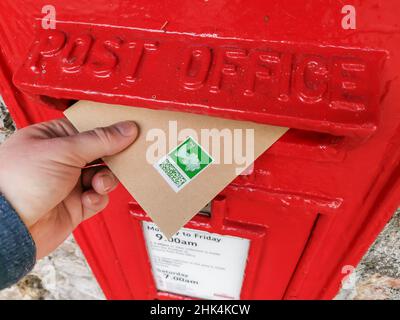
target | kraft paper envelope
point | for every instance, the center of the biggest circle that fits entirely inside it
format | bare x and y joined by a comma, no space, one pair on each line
170,195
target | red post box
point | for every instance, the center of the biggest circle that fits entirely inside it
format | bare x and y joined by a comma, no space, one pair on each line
314,202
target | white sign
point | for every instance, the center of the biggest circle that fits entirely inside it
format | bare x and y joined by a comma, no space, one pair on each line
196,263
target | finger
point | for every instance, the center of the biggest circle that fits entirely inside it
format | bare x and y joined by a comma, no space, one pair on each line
93,203
104,181
87,176
91,145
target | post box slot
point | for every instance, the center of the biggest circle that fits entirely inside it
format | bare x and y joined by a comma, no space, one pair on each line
296,143
56,103
314,146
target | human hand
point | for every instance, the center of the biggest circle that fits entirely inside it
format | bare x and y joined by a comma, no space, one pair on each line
42,176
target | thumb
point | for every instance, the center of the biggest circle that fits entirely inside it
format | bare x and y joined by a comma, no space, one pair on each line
102,142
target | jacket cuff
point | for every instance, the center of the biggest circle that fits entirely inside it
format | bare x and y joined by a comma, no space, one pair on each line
17,248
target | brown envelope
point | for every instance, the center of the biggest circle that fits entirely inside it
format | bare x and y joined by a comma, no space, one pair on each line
169,206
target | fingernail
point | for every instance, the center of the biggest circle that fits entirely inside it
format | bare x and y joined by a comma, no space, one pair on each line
93,198
127,128
108,182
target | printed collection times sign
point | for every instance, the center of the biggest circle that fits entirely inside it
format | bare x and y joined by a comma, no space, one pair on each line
196,263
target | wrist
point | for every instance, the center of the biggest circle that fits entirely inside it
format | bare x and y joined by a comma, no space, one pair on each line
12,198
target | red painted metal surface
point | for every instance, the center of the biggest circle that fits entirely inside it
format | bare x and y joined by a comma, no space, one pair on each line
304,86
315,201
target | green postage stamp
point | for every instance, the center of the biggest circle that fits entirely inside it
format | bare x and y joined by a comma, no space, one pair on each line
183,164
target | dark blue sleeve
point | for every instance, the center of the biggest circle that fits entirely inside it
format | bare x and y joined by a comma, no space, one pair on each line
17,249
